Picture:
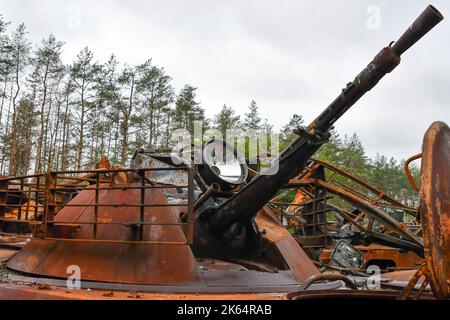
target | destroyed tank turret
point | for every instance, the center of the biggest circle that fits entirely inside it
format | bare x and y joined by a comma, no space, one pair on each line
146,229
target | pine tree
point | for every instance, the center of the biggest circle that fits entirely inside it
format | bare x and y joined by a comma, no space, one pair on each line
127,80
157,92
6,69
187,109
20,50
25,137
353,156
64,157
287,134
226,120
5,49
84,74
252,121
48,71
332,150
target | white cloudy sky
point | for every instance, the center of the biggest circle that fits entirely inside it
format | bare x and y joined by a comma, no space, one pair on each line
290,56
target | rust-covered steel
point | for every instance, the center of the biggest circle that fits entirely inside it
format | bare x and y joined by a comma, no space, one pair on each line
379,197
390,257
435,215
435,206
409,240
370,202
127,236
112,254
408,173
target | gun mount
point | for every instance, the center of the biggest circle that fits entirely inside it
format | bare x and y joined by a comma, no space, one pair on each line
230,220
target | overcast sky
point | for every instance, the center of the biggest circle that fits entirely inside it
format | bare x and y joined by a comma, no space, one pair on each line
289,56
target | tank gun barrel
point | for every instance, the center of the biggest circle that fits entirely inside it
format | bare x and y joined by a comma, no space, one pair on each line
247,202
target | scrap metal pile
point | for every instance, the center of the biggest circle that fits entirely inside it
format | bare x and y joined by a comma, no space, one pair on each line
170,227
332,208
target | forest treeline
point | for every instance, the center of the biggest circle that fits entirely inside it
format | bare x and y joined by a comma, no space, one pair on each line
58,116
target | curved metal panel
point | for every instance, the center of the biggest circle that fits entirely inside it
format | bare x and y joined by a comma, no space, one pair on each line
435,206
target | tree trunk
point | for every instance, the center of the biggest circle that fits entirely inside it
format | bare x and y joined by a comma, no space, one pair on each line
65,138
38,166
13,155
81,140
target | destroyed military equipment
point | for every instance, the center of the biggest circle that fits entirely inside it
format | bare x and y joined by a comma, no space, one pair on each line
386,231
123,230
432,274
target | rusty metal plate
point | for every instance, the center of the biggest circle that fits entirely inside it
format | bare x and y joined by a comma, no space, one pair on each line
151,267
435,206
294,255
133,262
